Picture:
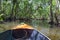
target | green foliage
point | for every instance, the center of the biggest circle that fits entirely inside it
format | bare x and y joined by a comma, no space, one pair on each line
27,8
1,19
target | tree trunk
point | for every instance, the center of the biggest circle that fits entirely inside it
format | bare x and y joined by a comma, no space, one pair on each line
0,6
57,11
13,14
51,13
57,22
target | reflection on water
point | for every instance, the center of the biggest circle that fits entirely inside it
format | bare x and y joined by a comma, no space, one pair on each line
40,25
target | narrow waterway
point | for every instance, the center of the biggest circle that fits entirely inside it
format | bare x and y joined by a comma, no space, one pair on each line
41,26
